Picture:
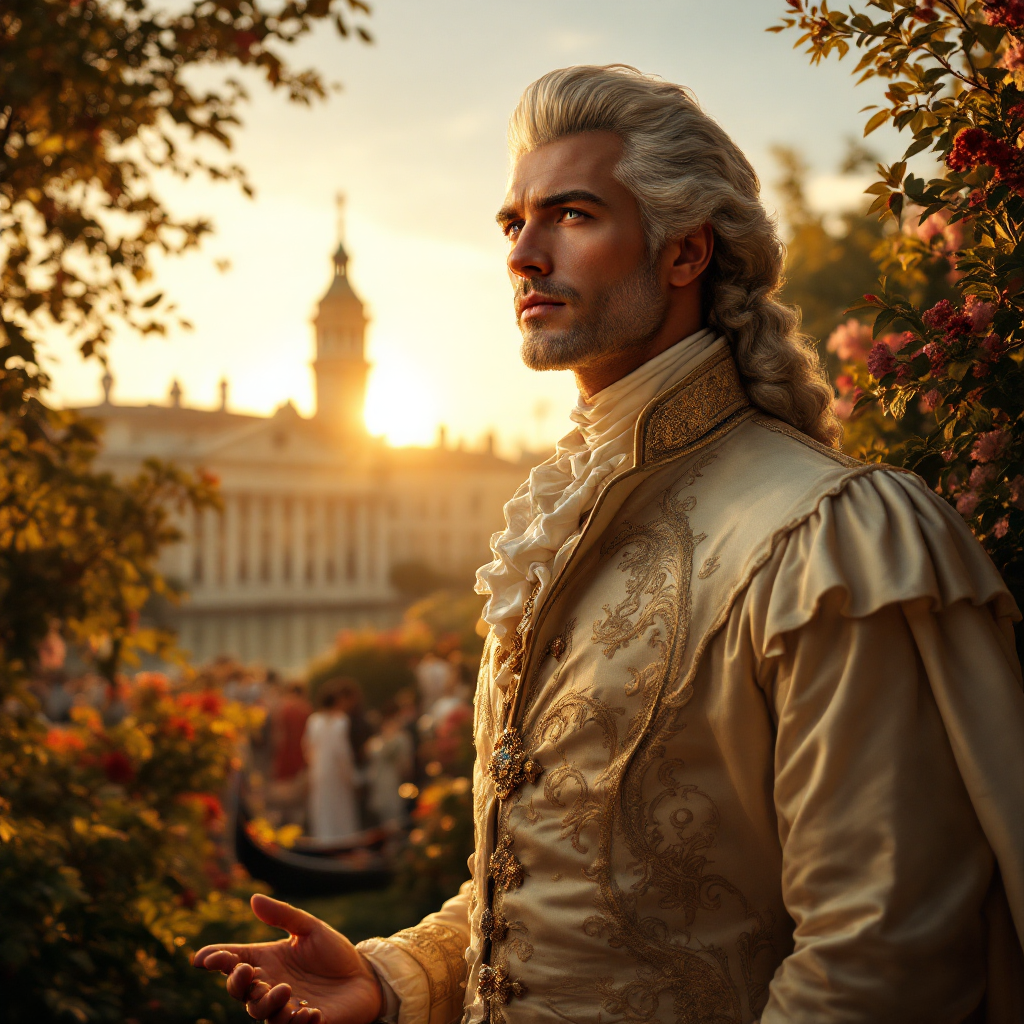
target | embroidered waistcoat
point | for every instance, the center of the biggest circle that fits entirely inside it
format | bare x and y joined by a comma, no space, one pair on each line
627,864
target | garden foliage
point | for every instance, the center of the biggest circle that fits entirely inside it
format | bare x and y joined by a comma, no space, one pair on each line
107,857
952,74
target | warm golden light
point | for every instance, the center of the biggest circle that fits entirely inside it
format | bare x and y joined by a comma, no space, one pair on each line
401,404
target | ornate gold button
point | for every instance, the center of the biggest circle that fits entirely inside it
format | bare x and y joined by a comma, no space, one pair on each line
557,647
494,926
496,986
509,764
506,870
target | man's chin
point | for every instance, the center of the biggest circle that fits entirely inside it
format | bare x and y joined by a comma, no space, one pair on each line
552,350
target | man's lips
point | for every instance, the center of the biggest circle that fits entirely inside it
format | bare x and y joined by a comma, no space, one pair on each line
537,305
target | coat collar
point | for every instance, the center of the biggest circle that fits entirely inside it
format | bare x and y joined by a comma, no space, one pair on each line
690,410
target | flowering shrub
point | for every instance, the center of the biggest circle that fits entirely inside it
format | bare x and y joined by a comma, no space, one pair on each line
111,865
954,77
434,862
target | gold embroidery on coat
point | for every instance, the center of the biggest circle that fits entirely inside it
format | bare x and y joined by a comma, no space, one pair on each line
577,710
659,558
709,566
440,952
703,461
695,406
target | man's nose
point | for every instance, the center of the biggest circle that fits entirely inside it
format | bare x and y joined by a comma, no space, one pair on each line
529,257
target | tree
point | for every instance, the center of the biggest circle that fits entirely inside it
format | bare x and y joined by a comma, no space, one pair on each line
954,77
106,849
96,95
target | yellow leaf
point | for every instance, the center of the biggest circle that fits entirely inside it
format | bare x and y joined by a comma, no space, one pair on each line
876,120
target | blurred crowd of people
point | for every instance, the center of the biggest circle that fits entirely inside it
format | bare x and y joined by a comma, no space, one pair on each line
329,762
334,766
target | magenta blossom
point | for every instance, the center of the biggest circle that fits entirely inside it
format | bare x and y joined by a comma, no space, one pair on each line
931,400
880,359
1000,528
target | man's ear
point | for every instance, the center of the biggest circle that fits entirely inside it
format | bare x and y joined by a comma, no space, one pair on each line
690,256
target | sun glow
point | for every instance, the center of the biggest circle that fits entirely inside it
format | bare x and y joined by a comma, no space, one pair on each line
401,404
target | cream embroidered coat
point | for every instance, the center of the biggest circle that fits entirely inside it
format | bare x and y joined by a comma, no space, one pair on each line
779,723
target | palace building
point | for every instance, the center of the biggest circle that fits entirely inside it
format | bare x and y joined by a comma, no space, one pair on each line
316,514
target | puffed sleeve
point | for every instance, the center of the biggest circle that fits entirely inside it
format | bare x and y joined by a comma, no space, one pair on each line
886,648
425,965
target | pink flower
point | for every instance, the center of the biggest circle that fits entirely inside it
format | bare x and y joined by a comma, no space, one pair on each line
931,400
850,341
990,445
1017,492
937,226
981,476
843,408
880,360
1013,58
1000,528
844,383
967,503
979,313
993,345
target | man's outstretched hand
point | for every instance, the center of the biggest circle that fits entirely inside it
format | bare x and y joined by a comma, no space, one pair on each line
315,976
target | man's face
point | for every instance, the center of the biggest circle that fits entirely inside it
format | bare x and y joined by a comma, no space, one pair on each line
585,285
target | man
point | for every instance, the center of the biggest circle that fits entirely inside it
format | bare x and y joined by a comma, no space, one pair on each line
749,718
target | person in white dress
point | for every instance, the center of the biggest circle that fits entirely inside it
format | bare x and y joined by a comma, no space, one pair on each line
333,812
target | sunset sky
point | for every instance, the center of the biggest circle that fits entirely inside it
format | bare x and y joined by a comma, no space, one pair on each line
416,141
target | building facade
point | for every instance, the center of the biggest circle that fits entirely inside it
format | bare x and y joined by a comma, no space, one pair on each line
316,514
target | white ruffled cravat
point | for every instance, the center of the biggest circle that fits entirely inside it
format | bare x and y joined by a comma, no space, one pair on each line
543,518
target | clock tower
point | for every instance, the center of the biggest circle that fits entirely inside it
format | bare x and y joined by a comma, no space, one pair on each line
340,364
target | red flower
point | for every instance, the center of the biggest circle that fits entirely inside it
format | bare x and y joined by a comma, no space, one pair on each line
117,767
208,702
936,357
155,681
880,360
62,740
999,530
1008,13
939,314
211,807
181,726
931,400
974,146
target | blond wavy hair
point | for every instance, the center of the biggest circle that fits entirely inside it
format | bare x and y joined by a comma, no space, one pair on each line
685,171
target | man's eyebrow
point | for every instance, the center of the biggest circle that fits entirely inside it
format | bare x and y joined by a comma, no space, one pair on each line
507,214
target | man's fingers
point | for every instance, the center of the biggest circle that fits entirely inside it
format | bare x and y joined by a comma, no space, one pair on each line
269,1003
240,983
283,915
220,960
306,1015
248,952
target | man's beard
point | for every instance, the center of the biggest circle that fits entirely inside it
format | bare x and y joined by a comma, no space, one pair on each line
623,317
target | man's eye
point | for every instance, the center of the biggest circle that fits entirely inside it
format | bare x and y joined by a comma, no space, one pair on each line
572,215
513,229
